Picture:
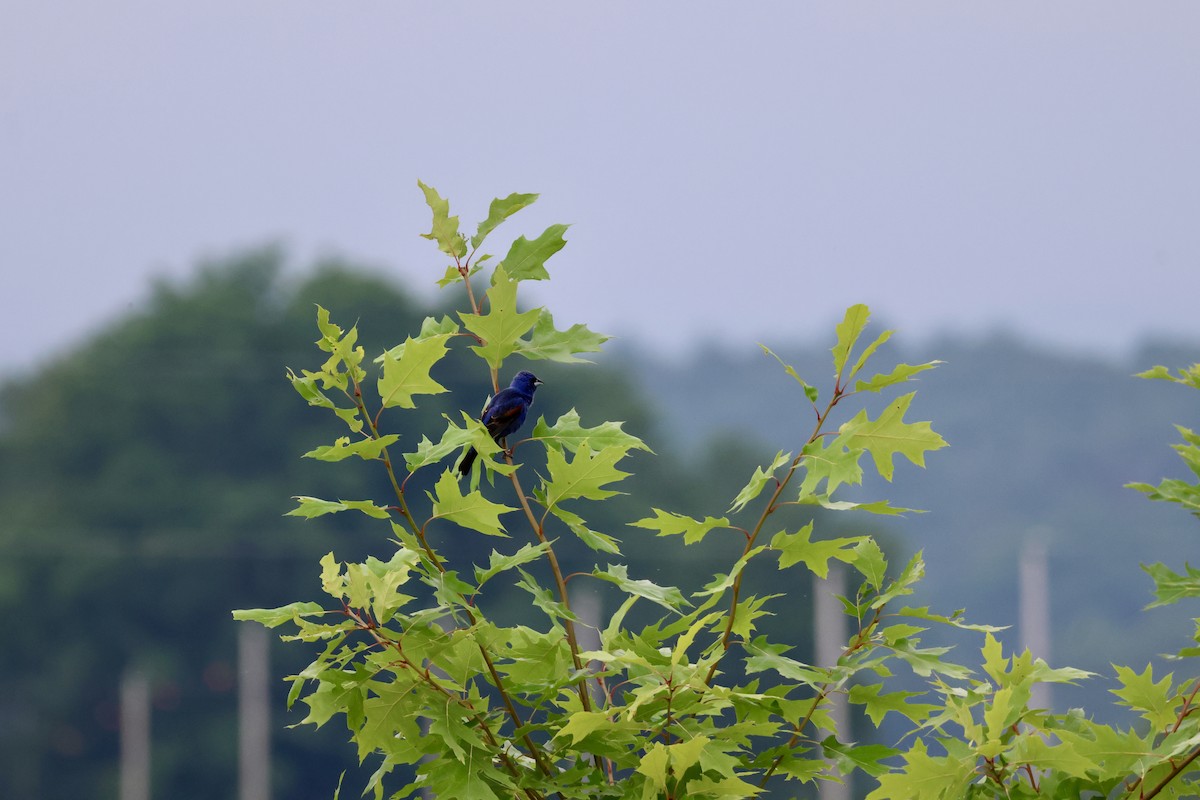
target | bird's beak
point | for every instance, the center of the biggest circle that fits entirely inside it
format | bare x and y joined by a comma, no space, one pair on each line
537,382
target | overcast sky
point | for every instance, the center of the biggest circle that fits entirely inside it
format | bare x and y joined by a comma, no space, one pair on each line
741,170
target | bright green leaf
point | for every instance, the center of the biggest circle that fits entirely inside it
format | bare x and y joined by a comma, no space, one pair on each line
1170,587
1153,700
870,561
500,210
274,617
583,477
758,481
668,524
472,510
831,462
445,227
798,547
900,374
601,542
366,449
568,432
310,507
526,260
500,562
407,374
848,331
668,597
502,325
890,434
546,342
878,703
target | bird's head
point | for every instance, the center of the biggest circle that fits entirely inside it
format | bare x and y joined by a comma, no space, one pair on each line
526,381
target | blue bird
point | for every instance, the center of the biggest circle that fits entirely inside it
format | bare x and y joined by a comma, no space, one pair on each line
505,413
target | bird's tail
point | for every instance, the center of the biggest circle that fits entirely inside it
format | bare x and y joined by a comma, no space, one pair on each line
465,465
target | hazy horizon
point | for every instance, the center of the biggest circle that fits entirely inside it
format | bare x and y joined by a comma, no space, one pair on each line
739,173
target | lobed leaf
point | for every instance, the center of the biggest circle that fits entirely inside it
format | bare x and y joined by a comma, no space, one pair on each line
406,371
366,449
601,542
445,227
547,343
471,510
670,524
583,477
668,597
274,617
502,326
500,210
569,433
1170,587
798,548
848,331
526,260
758,481
889,434
900,374
310,507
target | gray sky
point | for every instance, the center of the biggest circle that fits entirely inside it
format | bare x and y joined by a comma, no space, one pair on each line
746,170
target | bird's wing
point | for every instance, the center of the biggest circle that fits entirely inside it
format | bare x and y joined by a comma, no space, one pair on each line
503,417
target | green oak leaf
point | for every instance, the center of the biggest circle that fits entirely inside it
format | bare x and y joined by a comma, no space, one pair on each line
310,507
890,434
471,510
547,343
879,704
499,562
585,476
1170,587
568,432
870,562
581,724
502,326
407,374
926,776
526,260
445,227
669,524
831,462
668,597
1062,757
868,352
594,539
453,440
758,481
654,766
500,210
848,331
343,350
274,617
1187,377
366,449
1155,701
765,656
798,547
306,385
900,374
868,757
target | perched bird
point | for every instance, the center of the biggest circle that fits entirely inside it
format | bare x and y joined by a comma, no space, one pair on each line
505,414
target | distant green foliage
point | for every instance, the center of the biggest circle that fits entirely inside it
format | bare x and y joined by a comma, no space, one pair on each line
441,696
